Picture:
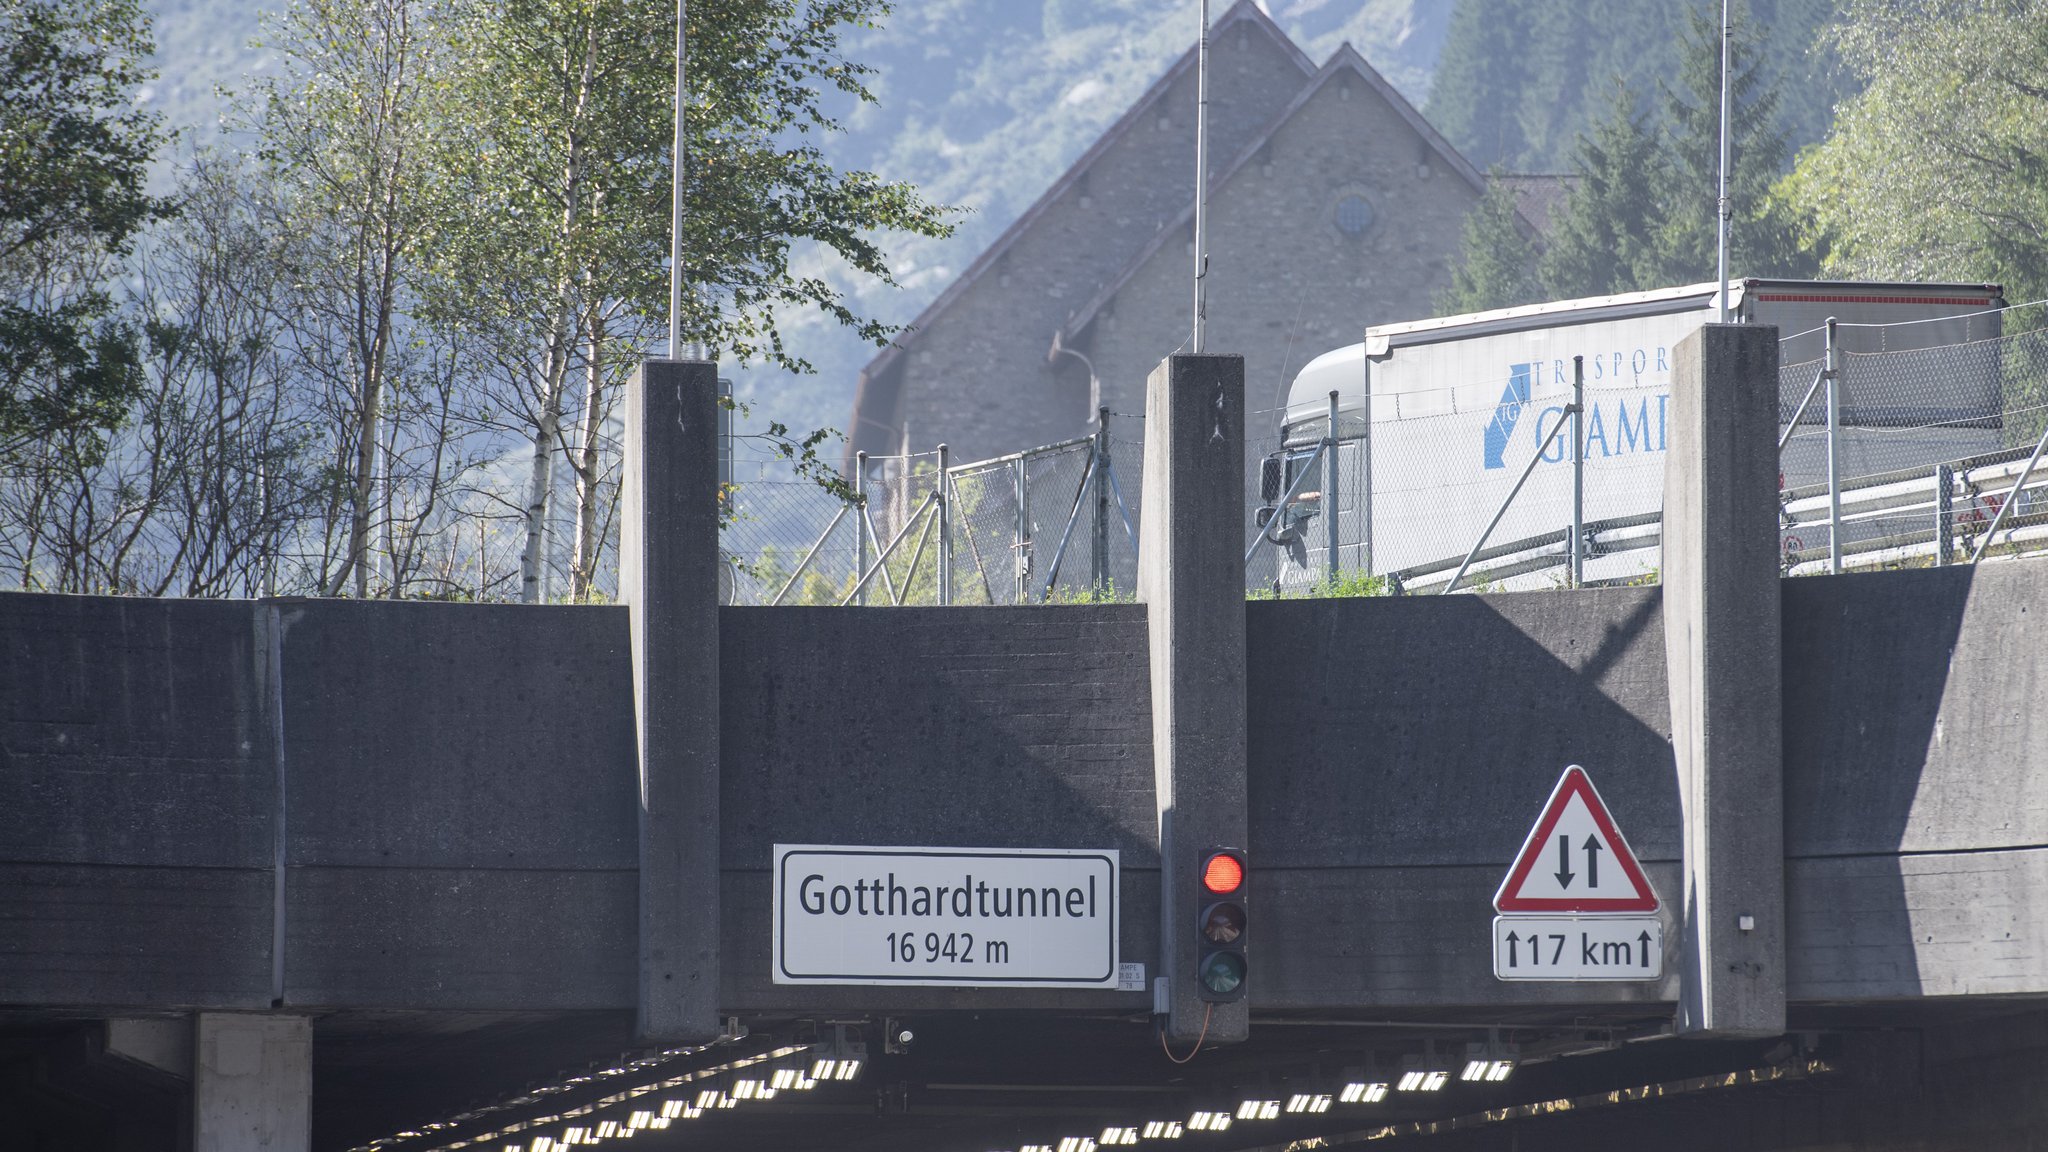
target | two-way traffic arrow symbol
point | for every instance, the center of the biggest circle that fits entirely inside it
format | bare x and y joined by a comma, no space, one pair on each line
1564,872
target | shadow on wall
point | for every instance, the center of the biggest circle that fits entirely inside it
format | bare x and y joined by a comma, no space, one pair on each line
1429,730
1866,671
1026,727
1400,750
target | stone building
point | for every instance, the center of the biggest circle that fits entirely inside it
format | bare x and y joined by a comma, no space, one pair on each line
1333,205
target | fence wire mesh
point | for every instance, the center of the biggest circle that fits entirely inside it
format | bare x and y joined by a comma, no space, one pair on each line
1418,494
1055,523
1928,444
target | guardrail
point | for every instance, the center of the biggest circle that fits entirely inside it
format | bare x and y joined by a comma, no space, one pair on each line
1973,504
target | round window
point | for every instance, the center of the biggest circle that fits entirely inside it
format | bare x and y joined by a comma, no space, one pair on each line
1354,215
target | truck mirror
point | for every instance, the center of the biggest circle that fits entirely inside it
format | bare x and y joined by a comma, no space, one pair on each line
1264,516
1269,479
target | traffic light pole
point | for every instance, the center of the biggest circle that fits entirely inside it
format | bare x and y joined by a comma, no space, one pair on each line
1190,577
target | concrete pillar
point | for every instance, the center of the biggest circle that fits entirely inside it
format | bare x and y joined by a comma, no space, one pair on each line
1191,579
1721,629
668,578
252,1083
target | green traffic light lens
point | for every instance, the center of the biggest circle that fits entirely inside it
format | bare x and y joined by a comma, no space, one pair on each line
1222,972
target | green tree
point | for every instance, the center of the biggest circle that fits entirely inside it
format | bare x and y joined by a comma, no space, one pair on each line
1473,99
565,166
74,148
1606,233
1499,269
1641,211
1939,169
348,129
1762,237
1518,81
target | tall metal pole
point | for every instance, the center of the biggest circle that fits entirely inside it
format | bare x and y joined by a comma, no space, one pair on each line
1723,209
675,231
1578,471
1201,181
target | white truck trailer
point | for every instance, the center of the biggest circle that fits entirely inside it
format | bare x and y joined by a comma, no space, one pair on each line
1437,419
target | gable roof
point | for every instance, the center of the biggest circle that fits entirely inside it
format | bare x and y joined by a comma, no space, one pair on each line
1344,61
1539,196
1242,10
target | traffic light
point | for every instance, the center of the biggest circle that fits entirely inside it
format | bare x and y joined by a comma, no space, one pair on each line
1219,955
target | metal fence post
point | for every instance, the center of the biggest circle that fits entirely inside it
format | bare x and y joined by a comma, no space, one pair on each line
945,510
1331,504
1365,475
1100,539
1834,375
1578,472
1020,549
1944,516
860,523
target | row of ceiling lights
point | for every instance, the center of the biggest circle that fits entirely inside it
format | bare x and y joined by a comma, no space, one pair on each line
843,1060
1492,1062
627,1114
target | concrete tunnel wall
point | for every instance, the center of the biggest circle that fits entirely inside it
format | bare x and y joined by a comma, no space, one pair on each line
457,787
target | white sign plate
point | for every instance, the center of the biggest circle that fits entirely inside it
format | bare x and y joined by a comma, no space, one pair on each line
994,917
1578,948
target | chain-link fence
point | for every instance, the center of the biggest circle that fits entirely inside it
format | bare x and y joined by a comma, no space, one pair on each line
1899,455
1474,482
1915,455
1914,449
1056,523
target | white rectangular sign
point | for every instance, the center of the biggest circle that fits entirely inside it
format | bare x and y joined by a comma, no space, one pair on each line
1578,948
1000,917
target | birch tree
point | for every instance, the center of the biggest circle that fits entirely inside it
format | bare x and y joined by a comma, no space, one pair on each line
567,183
1939,169
348,127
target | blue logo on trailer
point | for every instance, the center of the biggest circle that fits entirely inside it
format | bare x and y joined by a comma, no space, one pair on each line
1621,426
1502,428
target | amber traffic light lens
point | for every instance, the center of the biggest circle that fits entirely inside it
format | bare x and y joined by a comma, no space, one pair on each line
1223,874
1223,923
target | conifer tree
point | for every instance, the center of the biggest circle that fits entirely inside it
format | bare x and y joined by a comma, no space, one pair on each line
1499,266
1760,235
1605,236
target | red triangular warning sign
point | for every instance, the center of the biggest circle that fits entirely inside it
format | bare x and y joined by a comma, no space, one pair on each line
1575,859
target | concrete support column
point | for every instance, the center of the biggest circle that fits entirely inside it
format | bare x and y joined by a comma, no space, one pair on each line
1191,579
668,578
1721,628
252,1083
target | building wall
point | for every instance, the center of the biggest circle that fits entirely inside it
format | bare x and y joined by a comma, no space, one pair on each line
1286,284
976,377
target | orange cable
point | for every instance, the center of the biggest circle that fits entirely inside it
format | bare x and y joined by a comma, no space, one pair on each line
1198,1040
